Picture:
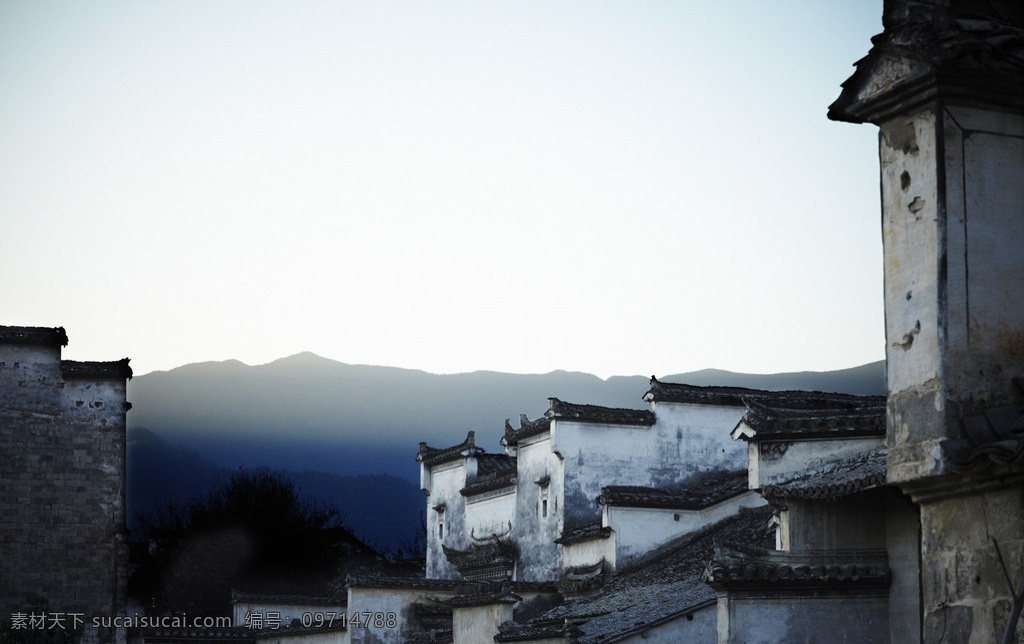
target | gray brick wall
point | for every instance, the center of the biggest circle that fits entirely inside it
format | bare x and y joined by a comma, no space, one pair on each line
63,545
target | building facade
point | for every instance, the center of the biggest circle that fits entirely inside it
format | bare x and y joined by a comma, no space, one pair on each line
62,492
944,83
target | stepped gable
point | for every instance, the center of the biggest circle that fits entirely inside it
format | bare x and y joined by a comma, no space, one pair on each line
659,587
818,416
559,409
526,429
833,480
494,472
34,335
745,567
435,456
112,370
970,56
994,437
712,489
589,532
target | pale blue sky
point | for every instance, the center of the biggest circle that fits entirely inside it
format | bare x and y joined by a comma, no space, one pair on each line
611,187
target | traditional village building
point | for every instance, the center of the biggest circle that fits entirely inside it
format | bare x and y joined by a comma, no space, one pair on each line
821,464
597,523
62,494
945,84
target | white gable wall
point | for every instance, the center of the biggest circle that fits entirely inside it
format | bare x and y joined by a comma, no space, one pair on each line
490,513
446,481
774,461
638,531
696,438
535,533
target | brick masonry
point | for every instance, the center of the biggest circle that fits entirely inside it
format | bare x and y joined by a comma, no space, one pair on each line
62,489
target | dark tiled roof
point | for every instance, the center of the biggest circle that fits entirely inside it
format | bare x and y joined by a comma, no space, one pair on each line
490,559
511,632
659,587
435,456
705,492
995,437
488,464
583,534
482,593
743,567
982,54
597,414
494,472
489,484
526,429
34,335
740,396
845,417
432,622
114,370
558,409
834,480
376,581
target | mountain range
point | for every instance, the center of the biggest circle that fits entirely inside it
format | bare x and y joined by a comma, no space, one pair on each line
349,434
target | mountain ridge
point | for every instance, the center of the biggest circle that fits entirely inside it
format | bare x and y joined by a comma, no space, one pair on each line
305,410
331,425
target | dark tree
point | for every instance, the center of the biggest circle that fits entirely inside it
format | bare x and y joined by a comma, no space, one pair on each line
251,533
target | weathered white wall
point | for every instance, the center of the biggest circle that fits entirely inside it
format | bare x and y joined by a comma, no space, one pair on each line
952,197
761,619
478,624
491,512
589,553
637,531
386,602
535,534
684,440
771,466
695,438
446,480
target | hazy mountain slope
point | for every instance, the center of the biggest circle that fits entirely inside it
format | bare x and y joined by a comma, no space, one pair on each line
307,412
381,510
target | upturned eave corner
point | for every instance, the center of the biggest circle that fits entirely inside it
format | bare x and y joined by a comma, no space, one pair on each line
939,50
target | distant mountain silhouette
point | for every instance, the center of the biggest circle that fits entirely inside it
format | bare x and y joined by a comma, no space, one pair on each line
348,434
305,412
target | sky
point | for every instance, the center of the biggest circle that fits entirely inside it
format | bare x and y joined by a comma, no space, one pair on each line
620,188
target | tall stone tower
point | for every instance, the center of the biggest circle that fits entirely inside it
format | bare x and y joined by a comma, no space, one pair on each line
945,84
62,486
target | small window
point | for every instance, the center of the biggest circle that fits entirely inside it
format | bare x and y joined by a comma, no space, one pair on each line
440,530
544,508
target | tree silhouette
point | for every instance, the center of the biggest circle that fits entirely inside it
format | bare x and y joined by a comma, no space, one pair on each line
251,532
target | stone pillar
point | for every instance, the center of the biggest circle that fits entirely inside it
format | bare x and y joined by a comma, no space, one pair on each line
945,85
